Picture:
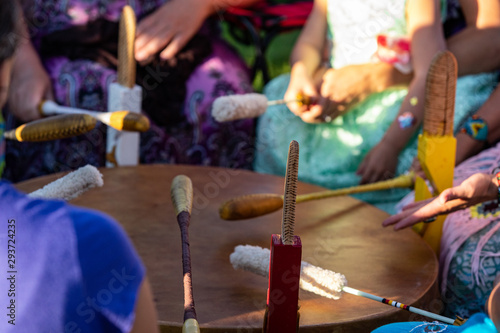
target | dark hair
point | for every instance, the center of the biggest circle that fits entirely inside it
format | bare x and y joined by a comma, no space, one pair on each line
10,21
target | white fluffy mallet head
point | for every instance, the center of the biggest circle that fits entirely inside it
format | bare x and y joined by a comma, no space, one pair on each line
233,107
72,185
312,278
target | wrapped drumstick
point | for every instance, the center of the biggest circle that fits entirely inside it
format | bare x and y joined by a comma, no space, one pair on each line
119,120
234,107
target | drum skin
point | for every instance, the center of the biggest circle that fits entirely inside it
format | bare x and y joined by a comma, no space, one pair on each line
341,234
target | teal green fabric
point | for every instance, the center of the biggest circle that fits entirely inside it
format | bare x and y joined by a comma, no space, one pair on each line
330,153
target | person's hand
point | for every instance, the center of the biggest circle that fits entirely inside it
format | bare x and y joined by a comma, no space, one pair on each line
169,28
342,88
477,188
30,84
302,84
379,164
416,168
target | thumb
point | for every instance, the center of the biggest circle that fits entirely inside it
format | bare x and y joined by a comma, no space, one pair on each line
451,194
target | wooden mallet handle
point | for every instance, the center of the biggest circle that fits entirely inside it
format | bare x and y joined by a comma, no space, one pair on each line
254,205
53,128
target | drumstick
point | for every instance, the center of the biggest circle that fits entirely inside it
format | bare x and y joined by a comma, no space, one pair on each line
233,107
254,205
182,198
120,120
316,279
71,185
53,128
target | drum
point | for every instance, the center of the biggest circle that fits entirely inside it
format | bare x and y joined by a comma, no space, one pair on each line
341,234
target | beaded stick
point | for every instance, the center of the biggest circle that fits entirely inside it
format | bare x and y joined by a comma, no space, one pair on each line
284,260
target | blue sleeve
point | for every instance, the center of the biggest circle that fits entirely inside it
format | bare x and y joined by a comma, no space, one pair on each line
111,268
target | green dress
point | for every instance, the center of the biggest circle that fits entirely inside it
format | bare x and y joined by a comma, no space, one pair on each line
330,153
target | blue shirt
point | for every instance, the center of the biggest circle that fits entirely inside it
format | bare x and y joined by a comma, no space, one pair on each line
63,268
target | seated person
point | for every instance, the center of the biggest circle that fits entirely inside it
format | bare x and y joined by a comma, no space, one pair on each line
469,261
184,66
69,269
74,270
352,134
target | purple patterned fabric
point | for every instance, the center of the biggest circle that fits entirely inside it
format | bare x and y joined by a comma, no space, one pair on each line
199,139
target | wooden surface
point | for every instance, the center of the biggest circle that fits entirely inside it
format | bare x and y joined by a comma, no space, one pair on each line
340,234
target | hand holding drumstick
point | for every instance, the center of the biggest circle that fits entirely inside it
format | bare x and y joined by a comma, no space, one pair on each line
477,188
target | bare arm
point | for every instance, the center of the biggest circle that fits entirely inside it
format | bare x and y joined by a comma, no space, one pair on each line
306,59
426,35
28,75
489,112
477,47
146,319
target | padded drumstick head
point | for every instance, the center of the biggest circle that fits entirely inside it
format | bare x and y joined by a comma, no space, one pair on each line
181,192
233,107
315,279
53,128
72,185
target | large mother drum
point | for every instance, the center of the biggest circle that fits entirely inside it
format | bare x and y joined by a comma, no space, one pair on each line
340,234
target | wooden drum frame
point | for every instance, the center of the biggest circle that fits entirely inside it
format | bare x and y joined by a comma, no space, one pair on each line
341,234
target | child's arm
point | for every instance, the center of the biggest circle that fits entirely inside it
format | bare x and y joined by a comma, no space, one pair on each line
477,46
426,34
30,83
306,59
146,317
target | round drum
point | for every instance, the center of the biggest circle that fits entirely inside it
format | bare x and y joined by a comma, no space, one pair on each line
340,234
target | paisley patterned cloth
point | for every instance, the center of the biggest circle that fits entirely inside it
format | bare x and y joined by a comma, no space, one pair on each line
197,139
331,152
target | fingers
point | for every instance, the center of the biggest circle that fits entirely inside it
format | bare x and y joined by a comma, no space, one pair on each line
371,173
395,219
150,44
417,204
409,217
313,114
175,45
